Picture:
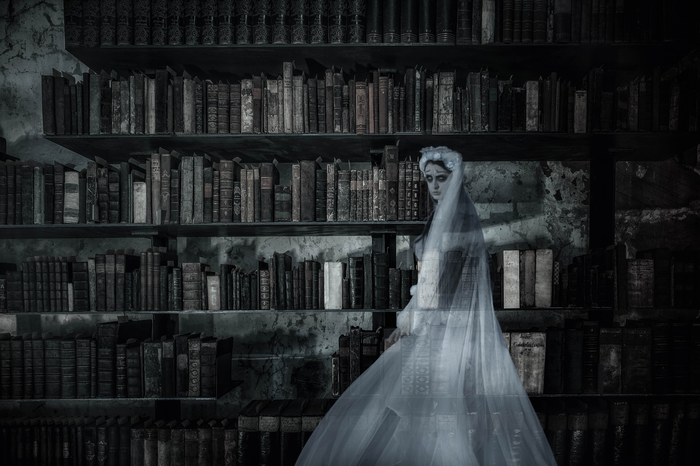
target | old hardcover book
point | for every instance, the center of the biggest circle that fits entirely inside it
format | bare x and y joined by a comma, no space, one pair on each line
152,370
68,369
640,282
269,177
249,431
194,346
527,350
554,361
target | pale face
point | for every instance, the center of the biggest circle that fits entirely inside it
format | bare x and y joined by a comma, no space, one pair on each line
436,177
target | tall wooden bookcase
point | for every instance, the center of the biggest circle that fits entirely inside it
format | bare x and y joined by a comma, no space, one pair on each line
602,150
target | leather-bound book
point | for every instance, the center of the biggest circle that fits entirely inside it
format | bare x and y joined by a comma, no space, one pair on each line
694,367
308,183
640,282
177,444
426,21
121,371
577,430
573,353
249,432
611,358
100,439
445,21
290,431
82,364
598,437
138,435
680,344
539,23
108,22
269,426
337,21
68,369
343,362
660,357
662,274
355,344
527,21
198,443
194,346
380,273
299,21
590,382
52,361
556,430
639,433
152,370
660,430
369,348
527,351
163,448
677,432
636,359
554,361
395,289
5,366
168,362
391,21
312,415
208,357
374,21
134,368
321,198
269,177
27,366
218,453
692,430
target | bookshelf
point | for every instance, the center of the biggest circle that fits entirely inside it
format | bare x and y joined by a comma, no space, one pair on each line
602,150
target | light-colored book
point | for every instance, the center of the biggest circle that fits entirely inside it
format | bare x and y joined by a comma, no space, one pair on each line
544,261
140,202
71,196
532,105
509,262
214,292
527,350
333,285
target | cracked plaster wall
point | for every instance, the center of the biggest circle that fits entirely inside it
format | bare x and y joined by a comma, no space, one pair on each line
521,204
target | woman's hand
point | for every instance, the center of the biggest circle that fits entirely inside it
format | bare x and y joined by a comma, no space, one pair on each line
397,334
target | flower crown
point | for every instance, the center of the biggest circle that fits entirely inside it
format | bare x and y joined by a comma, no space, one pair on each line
444,154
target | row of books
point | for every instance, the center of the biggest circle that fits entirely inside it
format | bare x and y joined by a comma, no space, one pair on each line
418,101
274,432
44,366
120,280
585,357
600,278
174,189
264,432
193,22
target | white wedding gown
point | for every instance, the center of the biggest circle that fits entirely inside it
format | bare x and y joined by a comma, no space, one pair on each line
448,393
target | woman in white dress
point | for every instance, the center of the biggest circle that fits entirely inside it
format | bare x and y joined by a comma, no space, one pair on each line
447,392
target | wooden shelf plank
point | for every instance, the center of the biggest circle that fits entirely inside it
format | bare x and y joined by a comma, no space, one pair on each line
130,230
510,146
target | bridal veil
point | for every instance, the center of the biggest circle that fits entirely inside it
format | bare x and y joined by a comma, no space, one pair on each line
447,393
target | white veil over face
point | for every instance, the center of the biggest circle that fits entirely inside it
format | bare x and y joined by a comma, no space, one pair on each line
447,393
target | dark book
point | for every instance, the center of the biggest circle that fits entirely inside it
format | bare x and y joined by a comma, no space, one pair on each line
52,367
290,431
249,432
312,414
269,426
370,342
611,358
375,21
573,352
134,368
27,366
152,370
636,359
82,365
121,373
355,344
556,430
68,368
554,361
639,432
343,362
577,430
590,381
5,366
269,178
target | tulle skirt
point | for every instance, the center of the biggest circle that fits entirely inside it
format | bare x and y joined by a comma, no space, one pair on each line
448,394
